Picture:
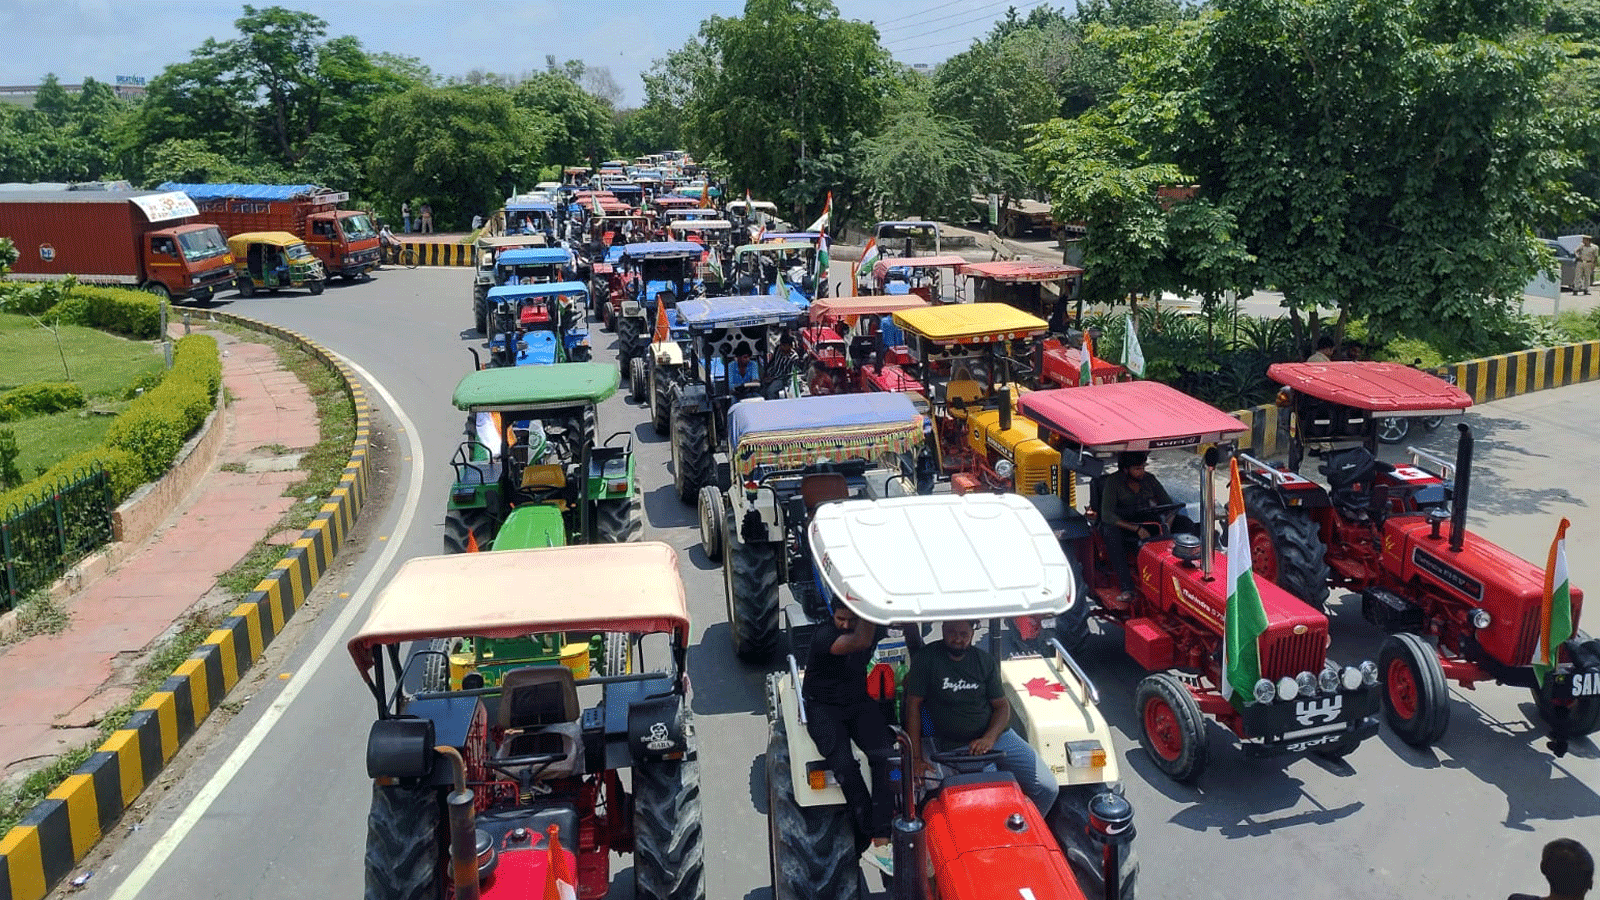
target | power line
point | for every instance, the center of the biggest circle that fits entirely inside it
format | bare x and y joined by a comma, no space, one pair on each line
921,12
918,24
955,25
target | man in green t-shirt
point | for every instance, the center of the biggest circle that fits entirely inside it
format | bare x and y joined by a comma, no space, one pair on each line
958,686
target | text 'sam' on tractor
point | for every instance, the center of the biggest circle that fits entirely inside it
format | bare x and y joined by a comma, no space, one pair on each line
968,359
933,278
1173,621
1456,606
655,272
530,463
787,457
520,266
914,562
851,345
710,381
538,324
485,251
507,791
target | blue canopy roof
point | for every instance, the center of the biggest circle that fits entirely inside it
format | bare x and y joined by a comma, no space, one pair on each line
621,188
531,206
614,252
831,411
245,191
662,248
728,312
791,236
534,256
511,292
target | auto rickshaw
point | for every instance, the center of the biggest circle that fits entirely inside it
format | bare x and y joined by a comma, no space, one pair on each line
273,260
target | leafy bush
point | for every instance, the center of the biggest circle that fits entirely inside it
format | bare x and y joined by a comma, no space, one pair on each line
40,399
153,428
132,313
144,381
35,298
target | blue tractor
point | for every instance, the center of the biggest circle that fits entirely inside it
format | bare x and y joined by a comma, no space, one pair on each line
653,272
538,324
520,266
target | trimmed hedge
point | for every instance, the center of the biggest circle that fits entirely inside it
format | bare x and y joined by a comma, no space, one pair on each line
42,398
143,441
123,311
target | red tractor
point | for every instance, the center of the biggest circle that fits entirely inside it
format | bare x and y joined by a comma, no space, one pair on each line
868,353
1173,622
1456,606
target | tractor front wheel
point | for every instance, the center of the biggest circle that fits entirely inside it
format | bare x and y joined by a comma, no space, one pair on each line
1174,730
811,848
637,380
668,838
660,402
750,587
711,525
618,521
693,465
480,309
467,530
403,845
1416,703
1285,547
436,666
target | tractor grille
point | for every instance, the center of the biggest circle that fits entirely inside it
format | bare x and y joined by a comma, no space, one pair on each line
1528,635
1290,654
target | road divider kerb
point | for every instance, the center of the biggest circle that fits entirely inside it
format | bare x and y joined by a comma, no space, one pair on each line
432,253
55,835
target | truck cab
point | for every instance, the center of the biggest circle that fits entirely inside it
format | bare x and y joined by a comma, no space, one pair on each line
344,240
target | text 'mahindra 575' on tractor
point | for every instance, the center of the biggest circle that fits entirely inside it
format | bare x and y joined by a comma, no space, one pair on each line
1456,606
506,791
1173,623
915,561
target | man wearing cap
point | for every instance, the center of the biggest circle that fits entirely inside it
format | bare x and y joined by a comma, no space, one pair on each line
1128,499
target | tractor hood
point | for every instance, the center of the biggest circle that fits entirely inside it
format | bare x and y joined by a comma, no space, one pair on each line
976,855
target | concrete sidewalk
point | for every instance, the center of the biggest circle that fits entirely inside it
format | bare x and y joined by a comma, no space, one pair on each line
59,686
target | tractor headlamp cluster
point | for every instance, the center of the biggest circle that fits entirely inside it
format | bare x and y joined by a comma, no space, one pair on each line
1331,680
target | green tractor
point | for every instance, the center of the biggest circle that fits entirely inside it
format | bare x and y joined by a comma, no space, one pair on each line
529,472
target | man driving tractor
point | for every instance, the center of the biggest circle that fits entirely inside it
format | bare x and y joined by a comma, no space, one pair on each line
1131,511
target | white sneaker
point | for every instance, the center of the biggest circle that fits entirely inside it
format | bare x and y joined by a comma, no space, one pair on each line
880,858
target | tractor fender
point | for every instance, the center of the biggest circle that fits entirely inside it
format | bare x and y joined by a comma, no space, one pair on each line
632,308
1052,708
667,353
657,728
692,398
803,753
760,517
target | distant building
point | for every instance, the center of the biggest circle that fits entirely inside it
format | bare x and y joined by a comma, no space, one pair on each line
126,86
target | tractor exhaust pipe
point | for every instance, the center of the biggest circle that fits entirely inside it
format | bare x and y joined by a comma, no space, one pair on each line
463,830
1458,510
1005,408
910,847
1208,511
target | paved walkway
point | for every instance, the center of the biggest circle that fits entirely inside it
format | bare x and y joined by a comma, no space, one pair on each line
57,687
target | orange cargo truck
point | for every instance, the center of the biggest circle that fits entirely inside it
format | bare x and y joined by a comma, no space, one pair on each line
344,240
146,239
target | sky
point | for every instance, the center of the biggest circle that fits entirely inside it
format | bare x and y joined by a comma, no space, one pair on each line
104,39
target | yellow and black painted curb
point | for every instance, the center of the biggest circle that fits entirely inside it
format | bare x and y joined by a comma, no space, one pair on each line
1484,380
440,254
45,845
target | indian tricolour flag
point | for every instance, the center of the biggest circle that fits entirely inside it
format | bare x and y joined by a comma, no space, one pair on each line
1086,360
870,254
821,224
1246,619
1555,622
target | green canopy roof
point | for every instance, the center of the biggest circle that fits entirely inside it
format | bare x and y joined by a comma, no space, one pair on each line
515,388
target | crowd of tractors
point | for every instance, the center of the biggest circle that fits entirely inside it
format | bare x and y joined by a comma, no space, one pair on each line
924,442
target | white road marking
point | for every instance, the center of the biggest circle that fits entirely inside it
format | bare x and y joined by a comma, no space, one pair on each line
140,876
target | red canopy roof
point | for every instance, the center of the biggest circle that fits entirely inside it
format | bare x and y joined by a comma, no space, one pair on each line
1020,271
1372,386
1131,415
917,262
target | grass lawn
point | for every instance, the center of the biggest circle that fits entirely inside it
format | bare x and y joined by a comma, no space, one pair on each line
46,440
102,364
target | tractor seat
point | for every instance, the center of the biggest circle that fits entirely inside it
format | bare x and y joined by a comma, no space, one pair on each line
544,475
967,391
823,487
539,713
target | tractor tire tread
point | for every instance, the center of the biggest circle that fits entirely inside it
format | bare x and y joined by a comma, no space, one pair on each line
618,521
668,834
752,576
812,847
1302,559
403,844
1432,717
1196,750
691,433
458,523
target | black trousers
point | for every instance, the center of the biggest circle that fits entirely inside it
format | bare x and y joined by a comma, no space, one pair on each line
833,728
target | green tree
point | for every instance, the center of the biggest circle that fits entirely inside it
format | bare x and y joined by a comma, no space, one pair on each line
922,165
578,129
1385,159
53,100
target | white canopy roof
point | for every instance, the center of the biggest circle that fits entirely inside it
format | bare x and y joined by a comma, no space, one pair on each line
931,558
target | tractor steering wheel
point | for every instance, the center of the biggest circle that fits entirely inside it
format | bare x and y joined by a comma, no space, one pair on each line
962,761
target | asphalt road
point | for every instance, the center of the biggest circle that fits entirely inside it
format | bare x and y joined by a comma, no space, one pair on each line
1465,820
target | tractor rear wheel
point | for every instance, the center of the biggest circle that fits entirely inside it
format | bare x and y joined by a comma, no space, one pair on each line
668,838
461,524
618,521
628,339
1415,702
1577,717
660,402
436,666
693,465
1285,547
404,845
603,313
1173,728
750,586
811,848
480,310
638,390
711,525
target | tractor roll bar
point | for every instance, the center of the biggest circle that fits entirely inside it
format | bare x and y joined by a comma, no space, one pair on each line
1275,475
1063,655
1446,468
794,673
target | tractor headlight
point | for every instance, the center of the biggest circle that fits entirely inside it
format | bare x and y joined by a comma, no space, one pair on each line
1004,468
1328,680
1265,690
1351,678
1481,619
1369,672
1306,683
1287,688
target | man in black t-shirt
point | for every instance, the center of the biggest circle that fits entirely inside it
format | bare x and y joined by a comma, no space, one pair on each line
959,687
839,710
